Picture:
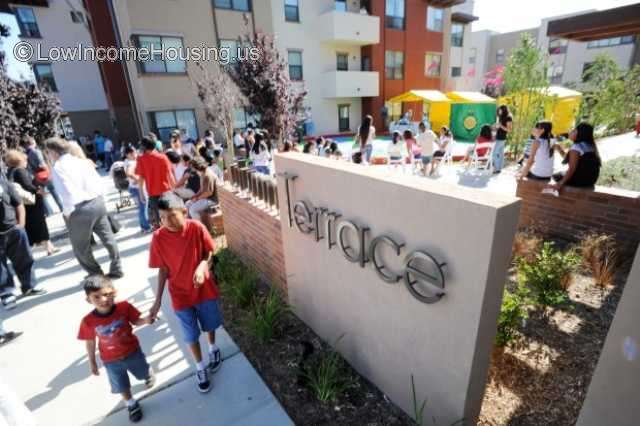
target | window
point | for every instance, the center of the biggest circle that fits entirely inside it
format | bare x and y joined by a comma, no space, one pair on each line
457,35
77,17
432,65
366,63
343,62
343,118
291,11
295,65
232,47
164,122
609,42
241,118
157,64
44,76
472,55
241,5
435,19
394,65
394,14
27,22
557,46
341,5
500,56
456,71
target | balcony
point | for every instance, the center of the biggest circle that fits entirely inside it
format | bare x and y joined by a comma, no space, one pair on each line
347,28
350,84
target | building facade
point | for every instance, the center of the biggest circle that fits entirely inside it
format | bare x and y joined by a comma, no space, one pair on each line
47,24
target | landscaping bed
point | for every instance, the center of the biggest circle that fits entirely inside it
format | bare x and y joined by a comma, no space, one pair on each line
280,361
542,376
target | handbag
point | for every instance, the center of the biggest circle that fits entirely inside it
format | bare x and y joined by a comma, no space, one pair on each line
114,222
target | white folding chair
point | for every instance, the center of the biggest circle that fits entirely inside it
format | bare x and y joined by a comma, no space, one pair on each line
482,162
447,160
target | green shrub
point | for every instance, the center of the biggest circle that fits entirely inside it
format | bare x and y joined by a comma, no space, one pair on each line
513,313
238,283
549,274
418,411
326,376
265,318
623,172
228,266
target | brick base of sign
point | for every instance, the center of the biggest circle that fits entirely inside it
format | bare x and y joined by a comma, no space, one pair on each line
253,232
578,211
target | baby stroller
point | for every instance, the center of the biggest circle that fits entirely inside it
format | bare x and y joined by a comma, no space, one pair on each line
121,183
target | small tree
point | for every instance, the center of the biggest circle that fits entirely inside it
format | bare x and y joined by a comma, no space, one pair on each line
220,96
266,85
494,82
525,84
612,96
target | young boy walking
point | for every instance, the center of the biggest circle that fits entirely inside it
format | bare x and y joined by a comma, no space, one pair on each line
182,250
119,348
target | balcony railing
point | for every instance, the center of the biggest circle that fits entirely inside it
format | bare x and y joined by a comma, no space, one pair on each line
255,186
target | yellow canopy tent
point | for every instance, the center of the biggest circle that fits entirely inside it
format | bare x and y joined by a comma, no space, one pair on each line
561,107
439,106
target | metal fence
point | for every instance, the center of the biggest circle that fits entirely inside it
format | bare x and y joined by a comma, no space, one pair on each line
254,185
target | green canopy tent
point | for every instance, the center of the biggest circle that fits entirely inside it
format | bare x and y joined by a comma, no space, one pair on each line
469,112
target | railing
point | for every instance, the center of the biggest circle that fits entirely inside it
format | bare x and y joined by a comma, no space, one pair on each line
253,185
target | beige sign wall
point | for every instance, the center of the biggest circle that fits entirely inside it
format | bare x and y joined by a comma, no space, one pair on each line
613,393
388,334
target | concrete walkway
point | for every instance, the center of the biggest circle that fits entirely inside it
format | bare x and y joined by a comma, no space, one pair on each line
48,366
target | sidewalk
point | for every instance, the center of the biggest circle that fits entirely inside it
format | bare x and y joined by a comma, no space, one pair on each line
48,366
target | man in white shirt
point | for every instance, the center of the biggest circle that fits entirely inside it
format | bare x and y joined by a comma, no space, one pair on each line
108,153
81,188
426,138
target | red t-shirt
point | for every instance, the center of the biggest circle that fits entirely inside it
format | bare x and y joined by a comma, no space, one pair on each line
482,151
156,170
180,253
115,335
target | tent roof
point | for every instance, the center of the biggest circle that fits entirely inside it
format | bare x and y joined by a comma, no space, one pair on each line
420,95
563,92
474,97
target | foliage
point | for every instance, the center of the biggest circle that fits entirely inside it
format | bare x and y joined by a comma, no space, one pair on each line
513,313
266,316
266,85
418,412
599,257
623,172
237,282
326,376
526,244
525,81
549,275
220,97
612,95
25,109
494,82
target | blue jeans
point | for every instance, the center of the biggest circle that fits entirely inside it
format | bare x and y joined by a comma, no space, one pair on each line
368,150
14,245
117,371
142,209
204,316
498,155
262,169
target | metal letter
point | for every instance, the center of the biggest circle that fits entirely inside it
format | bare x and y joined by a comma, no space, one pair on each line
287,177
331,218
360,256
302,217
390,278
317,212
436,281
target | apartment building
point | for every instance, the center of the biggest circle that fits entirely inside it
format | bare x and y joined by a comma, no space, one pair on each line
568,59
460,56
47,24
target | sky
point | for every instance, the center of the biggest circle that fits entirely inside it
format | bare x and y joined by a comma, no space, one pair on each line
512,15
15,69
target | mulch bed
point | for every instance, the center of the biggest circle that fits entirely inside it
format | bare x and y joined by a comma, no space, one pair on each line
278,364
543,379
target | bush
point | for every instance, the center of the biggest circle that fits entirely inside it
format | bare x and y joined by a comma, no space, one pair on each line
549,275
623,172
513,314
599,257
526,245
265,318
326,376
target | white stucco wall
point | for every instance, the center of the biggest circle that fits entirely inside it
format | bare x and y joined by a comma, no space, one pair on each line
78,82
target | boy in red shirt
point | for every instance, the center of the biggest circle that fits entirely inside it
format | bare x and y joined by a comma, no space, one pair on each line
182,249
156,175
119,348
